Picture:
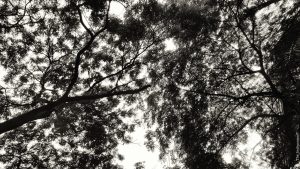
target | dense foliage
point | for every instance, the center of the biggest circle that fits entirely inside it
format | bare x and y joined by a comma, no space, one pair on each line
73,65
73,76
235,69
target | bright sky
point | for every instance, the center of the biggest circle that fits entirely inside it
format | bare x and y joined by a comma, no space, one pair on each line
117,9
248,150
137,152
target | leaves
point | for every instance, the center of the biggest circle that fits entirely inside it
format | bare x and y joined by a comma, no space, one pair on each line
231,71
39,57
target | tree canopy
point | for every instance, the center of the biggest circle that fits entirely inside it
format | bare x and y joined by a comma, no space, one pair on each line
73,75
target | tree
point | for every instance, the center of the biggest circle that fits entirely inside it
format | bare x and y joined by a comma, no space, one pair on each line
73,73
236,67
69,66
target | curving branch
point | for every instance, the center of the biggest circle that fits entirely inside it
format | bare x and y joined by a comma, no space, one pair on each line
85,48
76,68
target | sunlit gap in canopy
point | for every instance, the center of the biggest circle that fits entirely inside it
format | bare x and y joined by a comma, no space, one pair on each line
247,151
117,9
170,44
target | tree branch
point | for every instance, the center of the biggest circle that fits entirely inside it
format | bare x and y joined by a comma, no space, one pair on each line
240,53
127,65
17,24
38,113
103,95
265,94
260,58
45,111
245,124
82,23
241,74
78,56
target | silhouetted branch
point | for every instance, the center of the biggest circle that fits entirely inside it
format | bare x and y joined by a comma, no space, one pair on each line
46,110
245,124
260,58
241,74
126,66
38,113
78,57
82,22
240,53
17,24
260,94
103,95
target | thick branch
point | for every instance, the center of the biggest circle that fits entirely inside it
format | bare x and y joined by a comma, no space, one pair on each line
38,113
45,111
